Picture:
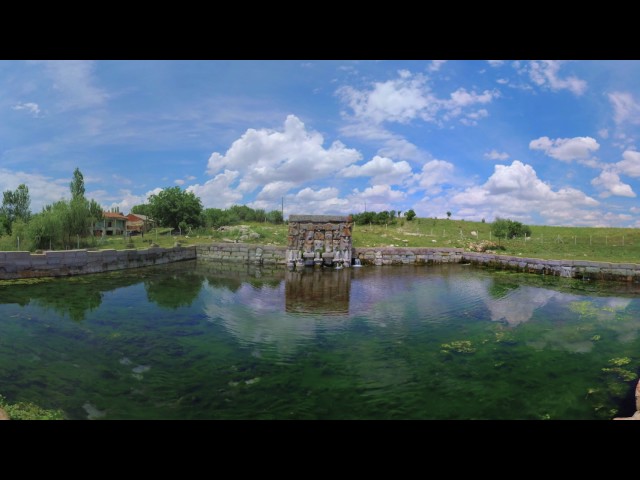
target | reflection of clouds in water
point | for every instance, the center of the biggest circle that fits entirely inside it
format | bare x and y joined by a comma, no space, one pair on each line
256,317
393,296
518,305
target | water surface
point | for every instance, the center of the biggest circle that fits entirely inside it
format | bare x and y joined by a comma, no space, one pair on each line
198,340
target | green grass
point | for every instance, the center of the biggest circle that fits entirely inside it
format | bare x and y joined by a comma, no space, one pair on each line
618,245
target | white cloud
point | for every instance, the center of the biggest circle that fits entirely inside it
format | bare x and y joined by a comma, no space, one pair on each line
377,198
545,73
604,133
129,200
502,81
610,184
406,98
179,181
292,155
434,175
322,201
30,107
399,100
217,192
566,149
495,155
393,145
515,191
625,108
436,65
382,170
495,63
630,164
274,190
472,118
43,190
75,81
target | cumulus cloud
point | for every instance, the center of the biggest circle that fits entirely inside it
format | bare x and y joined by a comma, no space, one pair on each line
434,175
545,74
218,192
43,190
604,133
381,170
625,107
436,65
323,200
610,184
179,181
29,107
127,202
406,98
294,154
515,191
566,149
398,100
495,155
630,164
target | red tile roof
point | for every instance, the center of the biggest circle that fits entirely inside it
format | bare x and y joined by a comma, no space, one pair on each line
115,215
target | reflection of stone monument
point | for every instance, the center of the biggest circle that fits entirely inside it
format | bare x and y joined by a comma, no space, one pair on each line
319,240
318,291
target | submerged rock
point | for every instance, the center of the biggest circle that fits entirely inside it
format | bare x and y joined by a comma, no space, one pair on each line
92,411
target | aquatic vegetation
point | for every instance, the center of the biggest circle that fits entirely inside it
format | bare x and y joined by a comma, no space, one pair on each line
29,411
458,346
504,336
626,375
595,338
585,308
620,361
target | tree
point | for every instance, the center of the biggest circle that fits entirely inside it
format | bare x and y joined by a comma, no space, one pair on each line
142,209
410,214
173,205
15,206
77,184
275,216
448,215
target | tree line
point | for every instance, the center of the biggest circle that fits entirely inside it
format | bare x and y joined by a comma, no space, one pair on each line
386,217
183,210
70,223
59,225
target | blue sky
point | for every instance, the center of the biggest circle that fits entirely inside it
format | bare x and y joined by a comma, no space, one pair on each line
543,142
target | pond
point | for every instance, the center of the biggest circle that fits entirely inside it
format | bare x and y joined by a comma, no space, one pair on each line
203,340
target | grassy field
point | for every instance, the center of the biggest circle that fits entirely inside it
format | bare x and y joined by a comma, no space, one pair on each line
620,245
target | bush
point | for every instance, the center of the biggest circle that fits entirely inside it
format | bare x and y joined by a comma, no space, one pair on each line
410,215
505,228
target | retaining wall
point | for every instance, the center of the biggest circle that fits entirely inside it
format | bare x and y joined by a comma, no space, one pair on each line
15,265
243,253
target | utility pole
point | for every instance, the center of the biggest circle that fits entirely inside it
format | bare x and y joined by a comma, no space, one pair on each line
282,210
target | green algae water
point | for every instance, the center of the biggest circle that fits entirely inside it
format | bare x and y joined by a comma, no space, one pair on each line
202,340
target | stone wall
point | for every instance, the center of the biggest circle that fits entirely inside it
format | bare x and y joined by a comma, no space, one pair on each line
319,239
404,256
14,265
581,269
243,253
